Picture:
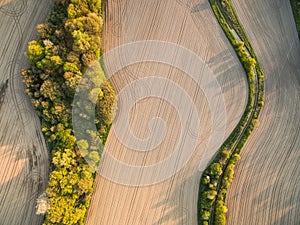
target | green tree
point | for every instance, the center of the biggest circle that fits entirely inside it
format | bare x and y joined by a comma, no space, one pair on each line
35,51
206,215
70,67
220,218
68,42
81,41
83,146
105,110
216,169
94,156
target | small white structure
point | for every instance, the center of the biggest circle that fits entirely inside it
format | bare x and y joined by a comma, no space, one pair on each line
42,204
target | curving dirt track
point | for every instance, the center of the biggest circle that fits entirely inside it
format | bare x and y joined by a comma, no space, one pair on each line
173,201
266,187
23,153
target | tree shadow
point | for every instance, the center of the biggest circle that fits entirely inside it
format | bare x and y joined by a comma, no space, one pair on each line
3,88
180,207
21,184
200,7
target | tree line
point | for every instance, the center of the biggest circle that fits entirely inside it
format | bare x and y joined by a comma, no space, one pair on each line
217,178
68,42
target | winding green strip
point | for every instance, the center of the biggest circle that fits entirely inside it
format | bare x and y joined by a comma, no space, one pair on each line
296,11
217,178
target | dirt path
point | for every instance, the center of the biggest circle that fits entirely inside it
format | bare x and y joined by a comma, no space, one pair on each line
23,154
173,201
266,188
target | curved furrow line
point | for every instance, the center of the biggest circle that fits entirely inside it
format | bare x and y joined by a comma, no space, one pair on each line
173,201
272,183
22,148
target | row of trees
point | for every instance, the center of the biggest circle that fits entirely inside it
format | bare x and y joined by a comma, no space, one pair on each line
67,44
217,178
213,189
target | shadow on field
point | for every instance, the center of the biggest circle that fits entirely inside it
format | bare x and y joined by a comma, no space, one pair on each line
199,7
179,207
17,204
175,208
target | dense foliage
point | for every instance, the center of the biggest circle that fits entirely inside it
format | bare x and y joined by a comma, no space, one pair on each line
68,43
296,11
217,178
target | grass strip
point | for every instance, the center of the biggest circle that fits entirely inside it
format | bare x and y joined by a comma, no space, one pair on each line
217,178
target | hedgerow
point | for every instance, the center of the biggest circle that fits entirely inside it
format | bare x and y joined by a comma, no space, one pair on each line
218,176
67,44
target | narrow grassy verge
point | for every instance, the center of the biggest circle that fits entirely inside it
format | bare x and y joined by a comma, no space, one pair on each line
296,11
68,43
217,178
